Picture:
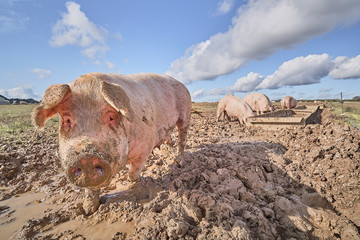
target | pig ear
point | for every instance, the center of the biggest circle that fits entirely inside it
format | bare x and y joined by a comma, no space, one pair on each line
47,108
118,99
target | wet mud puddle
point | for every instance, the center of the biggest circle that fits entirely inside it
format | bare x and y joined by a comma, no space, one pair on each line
99,231
16,211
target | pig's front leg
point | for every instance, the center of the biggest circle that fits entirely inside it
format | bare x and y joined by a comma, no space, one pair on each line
91,201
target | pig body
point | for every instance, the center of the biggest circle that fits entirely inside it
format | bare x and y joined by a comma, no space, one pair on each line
288,102
232,106
259,102
109,120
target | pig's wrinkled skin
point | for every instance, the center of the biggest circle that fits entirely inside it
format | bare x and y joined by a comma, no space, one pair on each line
258,102
288,102
233,106
109,120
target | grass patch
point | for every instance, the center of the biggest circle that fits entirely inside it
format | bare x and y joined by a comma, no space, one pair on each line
15,123
204,106
351,111
14,119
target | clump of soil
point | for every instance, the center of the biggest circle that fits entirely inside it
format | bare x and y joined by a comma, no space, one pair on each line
233,182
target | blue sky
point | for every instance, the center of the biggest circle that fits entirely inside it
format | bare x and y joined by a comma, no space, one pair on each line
303,48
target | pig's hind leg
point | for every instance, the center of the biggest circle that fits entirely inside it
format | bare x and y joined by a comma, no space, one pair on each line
183,126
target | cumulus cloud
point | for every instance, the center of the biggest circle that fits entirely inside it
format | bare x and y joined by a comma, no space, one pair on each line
345,68
248,83
20,92
299,71
198,93
259,29
41,73
224,6
74,28
212,92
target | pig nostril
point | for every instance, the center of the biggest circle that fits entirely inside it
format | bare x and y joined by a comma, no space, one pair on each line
77,172
99,170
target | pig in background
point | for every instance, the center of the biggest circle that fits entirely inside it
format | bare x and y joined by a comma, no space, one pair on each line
109,120
259,102
232,106
288,102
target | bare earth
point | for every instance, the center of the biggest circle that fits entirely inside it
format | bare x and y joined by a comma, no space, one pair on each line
233,182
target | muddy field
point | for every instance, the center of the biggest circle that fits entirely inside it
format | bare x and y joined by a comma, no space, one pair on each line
233,182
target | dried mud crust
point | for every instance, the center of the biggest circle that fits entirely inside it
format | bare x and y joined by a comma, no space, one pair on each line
232,182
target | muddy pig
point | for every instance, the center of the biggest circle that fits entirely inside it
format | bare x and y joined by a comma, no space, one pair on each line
288,102
110,120
233,106
259,102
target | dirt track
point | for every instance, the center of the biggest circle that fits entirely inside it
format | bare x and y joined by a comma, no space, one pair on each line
233,182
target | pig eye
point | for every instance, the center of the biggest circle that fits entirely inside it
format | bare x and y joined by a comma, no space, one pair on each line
111,119
68,122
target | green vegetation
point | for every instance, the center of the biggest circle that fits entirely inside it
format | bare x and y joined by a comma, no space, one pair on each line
15,123
351,111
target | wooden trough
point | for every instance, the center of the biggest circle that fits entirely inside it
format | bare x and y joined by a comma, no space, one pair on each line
299,116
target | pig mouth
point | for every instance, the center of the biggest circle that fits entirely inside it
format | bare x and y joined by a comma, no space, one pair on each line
89,171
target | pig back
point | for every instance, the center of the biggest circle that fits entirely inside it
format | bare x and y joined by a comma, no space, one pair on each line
259,102
157,101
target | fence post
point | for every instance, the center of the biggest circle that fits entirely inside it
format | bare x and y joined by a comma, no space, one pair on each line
342,104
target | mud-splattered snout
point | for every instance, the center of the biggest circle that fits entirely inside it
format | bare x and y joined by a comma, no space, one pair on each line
89,171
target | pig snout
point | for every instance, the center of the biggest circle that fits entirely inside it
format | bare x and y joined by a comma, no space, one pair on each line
89,171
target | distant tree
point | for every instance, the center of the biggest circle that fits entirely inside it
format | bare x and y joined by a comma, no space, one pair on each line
356,98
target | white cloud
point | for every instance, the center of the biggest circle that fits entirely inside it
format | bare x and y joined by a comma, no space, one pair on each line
198,93
94,50
41,73
344,67
3,92
259,29
224,6
248,83
212,92
74,28
217,91
299,71
20,92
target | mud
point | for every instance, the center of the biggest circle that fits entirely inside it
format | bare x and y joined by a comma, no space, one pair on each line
232,182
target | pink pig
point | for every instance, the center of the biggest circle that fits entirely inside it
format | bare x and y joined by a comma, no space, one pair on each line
110,120
233,106
288,102
259,102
